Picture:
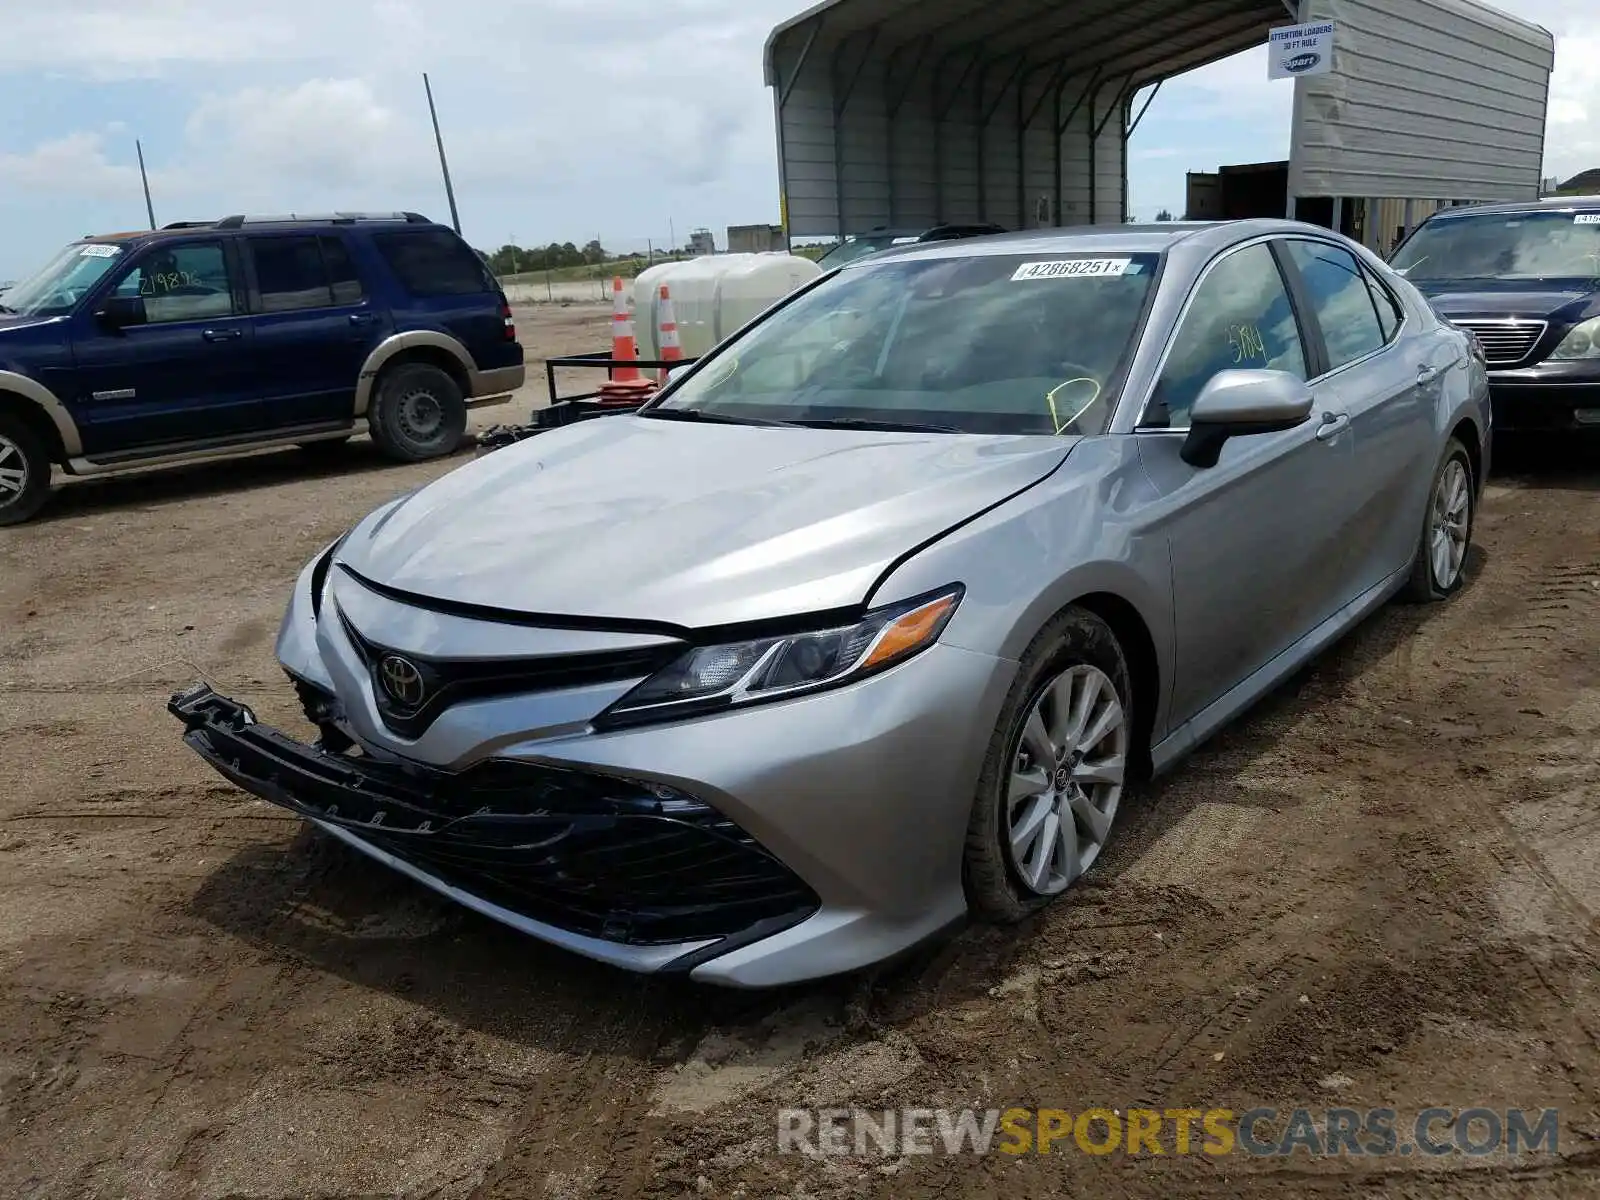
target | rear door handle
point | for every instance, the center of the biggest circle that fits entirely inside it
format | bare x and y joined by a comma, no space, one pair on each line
362,318
221,335
1427,374
1333,424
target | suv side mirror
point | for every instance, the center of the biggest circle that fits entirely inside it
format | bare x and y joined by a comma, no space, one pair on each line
119,312
1240,403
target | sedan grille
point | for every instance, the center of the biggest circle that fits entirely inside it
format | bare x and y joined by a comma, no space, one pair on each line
1505,342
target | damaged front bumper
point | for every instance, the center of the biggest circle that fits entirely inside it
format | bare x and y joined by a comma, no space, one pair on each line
632,873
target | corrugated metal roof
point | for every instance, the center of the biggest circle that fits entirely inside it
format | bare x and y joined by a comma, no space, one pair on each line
1149,38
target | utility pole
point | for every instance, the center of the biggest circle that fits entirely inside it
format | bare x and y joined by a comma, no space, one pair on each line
444,165
149,208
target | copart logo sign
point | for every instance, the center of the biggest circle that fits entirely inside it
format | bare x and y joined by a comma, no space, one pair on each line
1299,64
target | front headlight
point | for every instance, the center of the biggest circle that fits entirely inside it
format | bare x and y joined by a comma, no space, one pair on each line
708,678
1582,341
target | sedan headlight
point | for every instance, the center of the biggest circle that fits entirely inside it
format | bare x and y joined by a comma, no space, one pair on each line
1582,341
708,678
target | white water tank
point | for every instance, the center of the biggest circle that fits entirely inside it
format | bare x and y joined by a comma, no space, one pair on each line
713,297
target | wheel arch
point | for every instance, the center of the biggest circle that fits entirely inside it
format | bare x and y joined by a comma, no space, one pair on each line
1144,665
1466,432
36,404
428,346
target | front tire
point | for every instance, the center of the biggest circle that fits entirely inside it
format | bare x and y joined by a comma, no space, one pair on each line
417,413
1055,770
1440,566
24,471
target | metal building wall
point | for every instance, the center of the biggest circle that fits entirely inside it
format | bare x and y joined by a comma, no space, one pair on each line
1428,99
936,140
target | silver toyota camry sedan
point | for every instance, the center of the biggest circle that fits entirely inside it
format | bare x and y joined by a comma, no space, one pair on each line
863,626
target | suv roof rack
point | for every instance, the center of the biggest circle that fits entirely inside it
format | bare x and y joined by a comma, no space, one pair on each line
188,224
337,218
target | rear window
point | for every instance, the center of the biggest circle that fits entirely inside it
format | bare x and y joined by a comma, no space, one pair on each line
434,262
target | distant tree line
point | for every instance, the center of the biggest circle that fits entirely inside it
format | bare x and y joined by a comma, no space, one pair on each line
511,260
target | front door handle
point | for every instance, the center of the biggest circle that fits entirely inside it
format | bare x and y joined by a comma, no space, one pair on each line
362,318
221,335
1427,374
1333,424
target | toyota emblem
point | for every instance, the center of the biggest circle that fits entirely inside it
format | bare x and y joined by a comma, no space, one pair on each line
402,682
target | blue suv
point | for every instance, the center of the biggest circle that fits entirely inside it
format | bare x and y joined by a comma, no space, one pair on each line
210,338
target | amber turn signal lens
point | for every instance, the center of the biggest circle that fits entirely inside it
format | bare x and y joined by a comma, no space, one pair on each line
907,633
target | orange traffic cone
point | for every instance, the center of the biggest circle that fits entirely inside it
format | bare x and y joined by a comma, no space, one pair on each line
671,347
627,384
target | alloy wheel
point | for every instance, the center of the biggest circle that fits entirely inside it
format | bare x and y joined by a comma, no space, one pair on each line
13,471
1449,529
1066,779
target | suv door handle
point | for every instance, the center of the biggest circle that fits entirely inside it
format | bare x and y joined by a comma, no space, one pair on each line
362,318
1333,424
1427,374
221,335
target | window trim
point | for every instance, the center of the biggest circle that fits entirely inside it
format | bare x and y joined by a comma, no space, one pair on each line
113,280
1290,292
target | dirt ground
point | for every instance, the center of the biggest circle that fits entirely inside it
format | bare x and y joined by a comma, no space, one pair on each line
1379,889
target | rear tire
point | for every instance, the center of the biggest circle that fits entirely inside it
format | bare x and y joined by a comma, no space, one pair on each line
417,413
24,471
1057,762
1446,535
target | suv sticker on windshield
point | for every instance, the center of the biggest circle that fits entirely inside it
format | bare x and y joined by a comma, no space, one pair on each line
1586,219
1072,268
98,250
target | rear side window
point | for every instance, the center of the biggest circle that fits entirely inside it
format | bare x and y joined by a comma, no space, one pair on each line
1339,294
433,262
1389,316
290,274
342,273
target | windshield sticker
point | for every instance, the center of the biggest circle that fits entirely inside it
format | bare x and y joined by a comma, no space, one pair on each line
1586,218
1073,268
98,250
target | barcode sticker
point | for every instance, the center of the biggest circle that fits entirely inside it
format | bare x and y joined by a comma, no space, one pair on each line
1586,219
1073,268
98,250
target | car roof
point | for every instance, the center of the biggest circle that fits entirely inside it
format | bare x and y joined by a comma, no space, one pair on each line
1096,239
262,224
1547,204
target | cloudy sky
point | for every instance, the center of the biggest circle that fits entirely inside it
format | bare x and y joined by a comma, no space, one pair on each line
565,119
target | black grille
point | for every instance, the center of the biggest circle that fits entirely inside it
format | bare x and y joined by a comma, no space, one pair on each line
1505,342
451,681
609,858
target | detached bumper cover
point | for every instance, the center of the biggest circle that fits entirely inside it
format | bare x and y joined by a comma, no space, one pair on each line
612,860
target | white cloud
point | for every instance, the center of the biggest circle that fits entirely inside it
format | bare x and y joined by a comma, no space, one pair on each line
73,165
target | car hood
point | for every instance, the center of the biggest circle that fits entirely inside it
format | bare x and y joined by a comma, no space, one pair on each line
1540,299
635,519
12,322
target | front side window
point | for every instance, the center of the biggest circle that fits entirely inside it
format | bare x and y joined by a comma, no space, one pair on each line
1341,299
64,280
1524,245
1238,318
984,343
181,283
289,273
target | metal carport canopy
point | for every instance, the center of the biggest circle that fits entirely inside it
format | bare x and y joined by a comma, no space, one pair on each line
911,113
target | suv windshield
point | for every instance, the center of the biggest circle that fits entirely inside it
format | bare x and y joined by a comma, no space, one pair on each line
1525,245
979,344
63,282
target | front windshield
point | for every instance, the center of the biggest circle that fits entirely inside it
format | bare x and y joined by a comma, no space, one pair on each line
63,282
976,344
1525,245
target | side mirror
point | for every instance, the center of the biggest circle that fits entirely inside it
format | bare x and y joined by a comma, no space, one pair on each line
1240,403
119,312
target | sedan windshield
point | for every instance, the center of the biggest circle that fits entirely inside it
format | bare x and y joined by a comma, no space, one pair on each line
1525,245
63,282
978,344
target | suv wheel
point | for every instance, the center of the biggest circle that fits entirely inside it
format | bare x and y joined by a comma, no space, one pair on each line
417,413
24,471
